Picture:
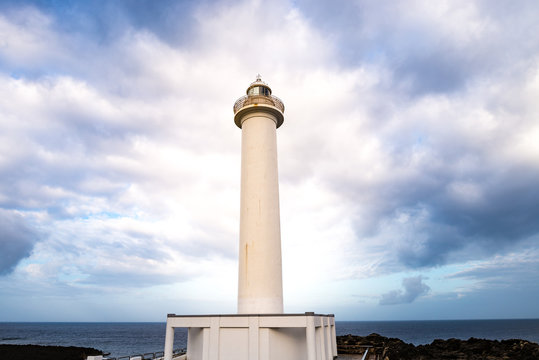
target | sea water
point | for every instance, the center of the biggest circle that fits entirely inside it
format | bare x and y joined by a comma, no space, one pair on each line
121,339
424,332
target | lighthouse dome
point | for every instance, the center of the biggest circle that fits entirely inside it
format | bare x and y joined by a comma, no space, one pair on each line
258,87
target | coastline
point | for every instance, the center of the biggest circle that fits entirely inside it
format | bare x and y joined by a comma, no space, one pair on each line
379,347
349,346
128,338
423,332
45,352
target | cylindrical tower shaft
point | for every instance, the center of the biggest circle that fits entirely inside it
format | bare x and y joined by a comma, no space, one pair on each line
260,279
260,288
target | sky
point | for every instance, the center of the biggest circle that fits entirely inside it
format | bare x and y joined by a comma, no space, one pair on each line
408,158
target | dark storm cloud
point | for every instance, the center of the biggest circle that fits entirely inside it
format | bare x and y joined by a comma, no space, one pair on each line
459,184
458,212
509,213
445,224
17,240
413,288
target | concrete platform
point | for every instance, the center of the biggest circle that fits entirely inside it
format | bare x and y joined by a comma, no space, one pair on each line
307,336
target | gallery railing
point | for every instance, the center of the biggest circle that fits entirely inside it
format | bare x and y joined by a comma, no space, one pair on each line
258,99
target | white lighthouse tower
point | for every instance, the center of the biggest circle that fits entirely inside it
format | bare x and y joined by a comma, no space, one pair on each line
260,288
260,330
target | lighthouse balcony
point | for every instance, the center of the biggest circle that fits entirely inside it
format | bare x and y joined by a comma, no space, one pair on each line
258,99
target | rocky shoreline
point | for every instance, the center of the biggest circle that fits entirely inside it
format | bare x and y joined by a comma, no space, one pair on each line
383,348
39,352
380,348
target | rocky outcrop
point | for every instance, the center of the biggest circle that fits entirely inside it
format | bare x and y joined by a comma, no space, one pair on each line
37,352
383,348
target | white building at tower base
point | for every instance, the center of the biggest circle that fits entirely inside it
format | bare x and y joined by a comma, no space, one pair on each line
306,336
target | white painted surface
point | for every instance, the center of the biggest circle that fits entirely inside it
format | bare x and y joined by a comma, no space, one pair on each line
288,344
256,337
195,343
260,289
169,340
233,343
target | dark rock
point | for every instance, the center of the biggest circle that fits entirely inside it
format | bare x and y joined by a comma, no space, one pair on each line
38,352
383,348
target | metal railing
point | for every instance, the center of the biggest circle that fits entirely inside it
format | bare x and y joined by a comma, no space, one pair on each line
365,354
148,356
258,99
364,350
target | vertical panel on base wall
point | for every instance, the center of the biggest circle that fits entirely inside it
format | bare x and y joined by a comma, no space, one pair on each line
310,333
195,343
319,343
253,337
327,333
288,344
334,337
323,343
264,344
206,343
214,340
234,344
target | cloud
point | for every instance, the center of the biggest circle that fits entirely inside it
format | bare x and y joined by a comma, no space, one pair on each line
440,180
105,162
17,239
413,288
424,41
410,136
87,159
104,21
517,270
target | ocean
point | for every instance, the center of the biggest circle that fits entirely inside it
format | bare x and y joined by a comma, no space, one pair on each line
120,339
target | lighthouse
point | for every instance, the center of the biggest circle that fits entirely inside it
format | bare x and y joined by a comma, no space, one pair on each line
260,330
258,114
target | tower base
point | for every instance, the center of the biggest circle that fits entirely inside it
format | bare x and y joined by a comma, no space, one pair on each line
306,336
